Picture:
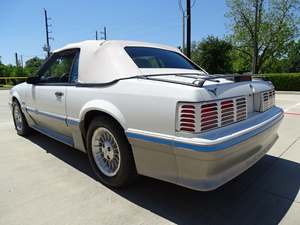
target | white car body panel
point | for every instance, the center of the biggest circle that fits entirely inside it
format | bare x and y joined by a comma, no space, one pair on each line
147,111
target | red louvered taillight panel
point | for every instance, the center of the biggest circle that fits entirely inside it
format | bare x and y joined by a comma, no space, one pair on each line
268,100
227,112
200,117
209,116
241,109
187,118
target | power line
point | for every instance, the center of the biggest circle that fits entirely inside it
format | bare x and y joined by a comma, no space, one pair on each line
193,4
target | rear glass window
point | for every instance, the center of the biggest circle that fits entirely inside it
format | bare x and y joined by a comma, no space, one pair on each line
145,57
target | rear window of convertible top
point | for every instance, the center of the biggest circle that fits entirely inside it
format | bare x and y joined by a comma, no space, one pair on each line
147,57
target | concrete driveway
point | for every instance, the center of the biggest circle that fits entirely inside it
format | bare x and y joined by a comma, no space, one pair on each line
45,182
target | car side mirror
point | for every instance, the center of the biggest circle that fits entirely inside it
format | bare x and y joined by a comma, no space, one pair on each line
32,80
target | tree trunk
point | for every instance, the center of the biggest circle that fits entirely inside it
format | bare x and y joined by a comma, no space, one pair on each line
255,37
255,59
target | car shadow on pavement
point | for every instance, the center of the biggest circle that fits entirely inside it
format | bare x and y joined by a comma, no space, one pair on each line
261,195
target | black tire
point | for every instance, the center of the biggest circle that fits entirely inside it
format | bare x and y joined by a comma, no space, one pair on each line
127,171
24,129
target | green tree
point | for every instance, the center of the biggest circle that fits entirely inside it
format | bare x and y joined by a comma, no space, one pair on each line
7,70
263,29
32,65
2,69
293,60
213,54
240,62
289,63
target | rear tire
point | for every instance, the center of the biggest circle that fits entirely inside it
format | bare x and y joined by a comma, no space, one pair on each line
20,122
110,153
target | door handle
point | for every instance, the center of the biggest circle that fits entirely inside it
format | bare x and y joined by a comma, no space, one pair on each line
59,94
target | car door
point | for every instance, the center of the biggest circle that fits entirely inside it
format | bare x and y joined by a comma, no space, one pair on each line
49,95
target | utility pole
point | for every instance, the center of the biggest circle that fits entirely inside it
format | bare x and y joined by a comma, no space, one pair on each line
103,33
47,48
183,33
96,35
17,59
183,17
188,32
21,61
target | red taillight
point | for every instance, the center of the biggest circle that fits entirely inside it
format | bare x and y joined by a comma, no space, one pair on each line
268,100
209,116
206,116
188,107
227,112
187,118
187,129
241,109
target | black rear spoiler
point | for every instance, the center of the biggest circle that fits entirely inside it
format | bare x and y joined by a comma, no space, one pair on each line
199,81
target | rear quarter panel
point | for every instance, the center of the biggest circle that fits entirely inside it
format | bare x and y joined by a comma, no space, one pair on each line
136,103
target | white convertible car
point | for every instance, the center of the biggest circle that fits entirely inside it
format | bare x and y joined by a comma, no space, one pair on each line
141,108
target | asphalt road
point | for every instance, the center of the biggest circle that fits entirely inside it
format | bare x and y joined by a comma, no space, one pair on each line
45,182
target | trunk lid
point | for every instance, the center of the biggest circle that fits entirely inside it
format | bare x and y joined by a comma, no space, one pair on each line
217,102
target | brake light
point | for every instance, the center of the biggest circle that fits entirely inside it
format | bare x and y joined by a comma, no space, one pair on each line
227,112
241,109
268,100
209,116
187,118
197,117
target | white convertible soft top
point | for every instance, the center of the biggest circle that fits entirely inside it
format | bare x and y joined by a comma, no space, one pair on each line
106,61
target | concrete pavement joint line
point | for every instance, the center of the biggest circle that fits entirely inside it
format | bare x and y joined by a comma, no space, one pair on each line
294,142
291,107
268,169
278,195
275,194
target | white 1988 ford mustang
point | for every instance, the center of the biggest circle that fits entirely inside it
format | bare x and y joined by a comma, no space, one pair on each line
140,108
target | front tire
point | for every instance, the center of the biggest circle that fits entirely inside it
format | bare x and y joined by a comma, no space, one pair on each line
20,122
109,153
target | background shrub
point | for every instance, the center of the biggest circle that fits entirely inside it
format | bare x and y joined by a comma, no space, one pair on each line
284,81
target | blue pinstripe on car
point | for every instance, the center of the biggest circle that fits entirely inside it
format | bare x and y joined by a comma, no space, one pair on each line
206,148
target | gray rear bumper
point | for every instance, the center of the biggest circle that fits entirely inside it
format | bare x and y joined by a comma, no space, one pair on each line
199,167
208,171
